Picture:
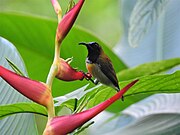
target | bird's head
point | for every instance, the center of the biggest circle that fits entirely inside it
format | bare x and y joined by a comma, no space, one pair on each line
92,47
94,50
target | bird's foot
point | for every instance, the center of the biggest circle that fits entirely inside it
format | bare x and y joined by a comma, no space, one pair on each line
95,81
88,77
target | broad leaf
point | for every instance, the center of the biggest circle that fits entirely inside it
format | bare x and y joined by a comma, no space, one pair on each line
156,115
101,8
76,94
146,86
144,14
34,38
161,42
17,124
7,110
78,97
127,74
148,69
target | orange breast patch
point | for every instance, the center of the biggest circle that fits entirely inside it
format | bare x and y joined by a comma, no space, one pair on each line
90,67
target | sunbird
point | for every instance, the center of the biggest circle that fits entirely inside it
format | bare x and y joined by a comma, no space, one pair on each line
100,66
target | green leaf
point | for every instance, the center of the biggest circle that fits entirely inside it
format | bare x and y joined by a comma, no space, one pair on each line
145,87
148,69
14,67
153,112
132,73
68,100
83,128
7,110
70,5
106,17
144,14
127,74
76,94
34,38
16,124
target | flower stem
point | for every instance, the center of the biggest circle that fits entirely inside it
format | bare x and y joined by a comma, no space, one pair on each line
52,73
54,67
57,9
50,109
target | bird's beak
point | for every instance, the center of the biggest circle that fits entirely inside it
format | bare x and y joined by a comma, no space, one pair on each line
86,44
83,43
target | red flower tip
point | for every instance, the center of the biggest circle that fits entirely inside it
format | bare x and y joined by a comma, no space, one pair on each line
67,73
67,21
34,90
63,125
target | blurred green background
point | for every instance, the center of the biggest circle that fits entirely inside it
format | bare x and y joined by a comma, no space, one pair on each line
102,18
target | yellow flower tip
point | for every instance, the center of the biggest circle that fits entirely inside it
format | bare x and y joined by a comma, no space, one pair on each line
45,97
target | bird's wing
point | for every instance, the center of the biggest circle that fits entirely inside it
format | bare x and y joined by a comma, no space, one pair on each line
108,70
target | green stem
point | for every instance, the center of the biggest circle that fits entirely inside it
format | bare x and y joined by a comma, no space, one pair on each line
59,17
50,109
53,70
59,14
52,73
57,49
54,67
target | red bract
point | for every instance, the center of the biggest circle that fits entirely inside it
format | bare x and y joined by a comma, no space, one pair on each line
67,21
56,6
67,73
63,125
34,90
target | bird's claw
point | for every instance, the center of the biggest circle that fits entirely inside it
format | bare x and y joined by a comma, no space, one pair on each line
87,76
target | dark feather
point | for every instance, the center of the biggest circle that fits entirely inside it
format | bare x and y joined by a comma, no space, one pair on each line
106,67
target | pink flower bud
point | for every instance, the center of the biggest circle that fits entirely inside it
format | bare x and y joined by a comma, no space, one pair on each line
34,90
56,6
67,73
63,125
67,21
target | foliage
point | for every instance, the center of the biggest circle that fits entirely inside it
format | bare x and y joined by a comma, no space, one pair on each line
34,38
11,109
30,47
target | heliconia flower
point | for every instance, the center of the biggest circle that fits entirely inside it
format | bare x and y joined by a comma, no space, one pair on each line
63,125
67,21
56,6
67,73
34,90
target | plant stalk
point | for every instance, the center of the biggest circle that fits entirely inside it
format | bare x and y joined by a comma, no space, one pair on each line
52,73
